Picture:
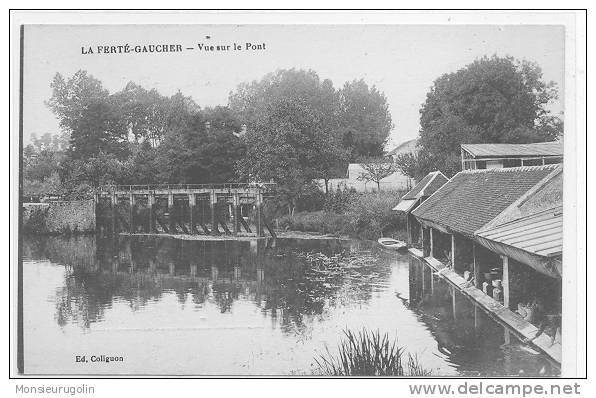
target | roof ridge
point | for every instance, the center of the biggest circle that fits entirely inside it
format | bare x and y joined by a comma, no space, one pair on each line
513,169
510,143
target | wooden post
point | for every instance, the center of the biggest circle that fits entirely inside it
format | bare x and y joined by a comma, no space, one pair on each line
96,211
212,203
150,203
453,252
259,208
114,211
432,243
422,268
408,228
191,207
235,203
131,202
505,281
171,217
476,267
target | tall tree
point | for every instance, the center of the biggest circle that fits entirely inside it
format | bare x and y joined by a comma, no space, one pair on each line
365,119
88,115
204,151
293,133
492,100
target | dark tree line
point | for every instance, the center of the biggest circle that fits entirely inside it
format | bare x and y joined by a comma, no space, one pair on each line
290,127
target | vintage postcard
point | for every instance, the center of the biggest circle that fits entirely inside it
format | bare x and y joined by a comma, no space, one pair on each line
376,194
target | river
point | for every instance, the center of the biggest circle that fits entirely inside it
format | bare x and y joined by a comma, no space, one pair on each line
171,307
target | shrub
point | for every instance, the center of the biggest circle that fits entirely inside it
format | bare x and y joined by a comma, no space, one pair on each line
369,354
36,222
367,216
372,215
313,200
339,201
320,222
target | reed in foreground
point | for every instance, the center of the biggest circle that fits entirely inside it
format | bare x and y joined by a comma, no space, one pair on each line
369,354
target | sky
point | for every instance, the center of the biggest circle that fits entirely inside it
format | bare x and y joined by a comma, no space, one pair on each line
402,61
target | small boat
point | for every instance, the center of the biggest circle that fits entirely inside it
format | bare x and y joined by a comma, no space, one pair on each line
393,244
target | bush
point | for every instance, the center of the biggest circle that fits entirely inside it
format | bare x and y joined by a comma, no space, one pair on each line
36,222
320,222
369,354
366,216
372,215
313,200
339,201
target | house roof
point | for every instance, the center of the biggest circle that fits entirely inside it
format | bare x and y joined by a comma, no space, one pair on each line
514,150
427,186
405,205
540,233
404,147
473,198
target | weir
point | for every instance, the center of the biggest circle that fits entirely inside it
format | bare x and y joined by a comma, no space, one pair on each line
195,209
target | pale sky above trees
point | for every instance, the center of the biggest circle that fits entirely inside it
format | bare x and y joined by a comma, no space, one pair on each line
402,61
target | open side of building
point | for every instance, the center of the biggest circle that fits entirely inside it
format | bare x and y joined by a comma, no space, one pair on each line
499,232
489,156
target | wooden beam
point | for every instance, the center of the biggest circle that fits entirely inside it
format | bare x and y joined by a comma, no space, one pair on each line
432,243
505,281
453,252
476,267
235,209
150,203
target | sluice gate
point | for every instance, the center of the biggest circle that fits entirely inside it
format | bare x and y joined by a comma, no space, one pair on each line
205,209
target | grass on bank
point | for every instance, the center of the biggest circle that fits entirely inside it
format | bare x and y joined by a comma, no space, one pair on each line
369,354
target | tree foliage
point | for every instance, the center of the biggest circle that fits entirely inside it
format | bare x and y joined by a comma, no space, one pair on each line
492,100
365,119
292,133
88,114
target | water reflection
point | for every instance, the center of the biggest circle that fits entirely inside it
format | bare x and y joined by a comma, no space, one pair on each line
139,270
259,308
472,341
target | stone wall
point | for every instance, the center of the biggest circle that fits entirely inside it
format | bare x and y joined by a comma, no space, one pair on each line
76,216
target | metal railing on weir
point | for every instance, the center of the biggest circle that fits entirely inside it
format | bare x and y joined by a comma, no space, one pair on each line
267,186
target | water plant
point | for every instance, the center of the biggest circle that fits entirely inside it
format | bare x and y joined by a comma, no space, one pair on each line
369,353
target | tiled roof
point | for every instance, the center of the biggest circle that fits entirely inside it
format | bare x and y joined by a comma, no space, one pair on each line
472,198
427,186
514,150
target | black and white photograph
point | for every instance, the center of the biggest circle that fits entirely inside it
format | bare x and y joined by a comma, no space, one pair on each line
255,199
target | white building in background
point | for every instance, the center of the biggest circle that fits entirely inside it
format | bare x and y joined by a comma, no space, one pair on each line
394,182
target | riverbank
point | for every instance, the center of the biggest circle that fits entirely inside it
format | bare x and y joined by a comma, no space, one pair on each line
520,327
